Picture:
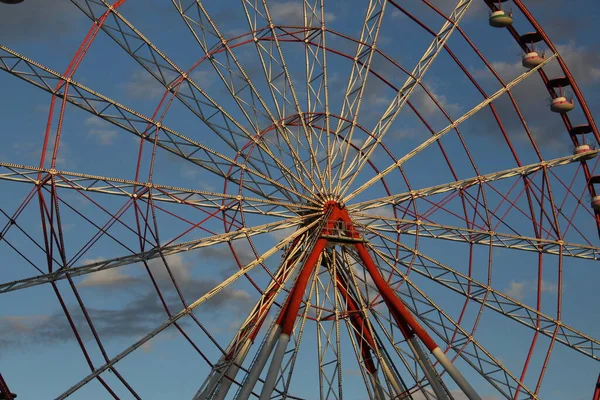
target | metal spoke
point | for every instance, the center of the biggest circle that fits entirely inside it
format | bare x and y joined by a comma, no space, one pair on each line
357,81
156,252
317,79
353,293
132,121
412,82
497,301
466,183
271,170
180,83
284,381
275,69
328,329
142,190
447,129
222,373
245,94
475,236
459,340
186,311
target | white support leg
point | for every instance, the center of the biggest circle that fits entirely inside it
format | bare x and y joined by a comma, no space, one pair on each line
430,373
455,374
390,375
271,379
259,364
379,394
232,371
213,380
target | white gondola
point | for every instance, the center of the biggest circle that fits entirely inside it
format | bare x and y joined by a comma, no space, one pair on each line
596,202
584,148
562,104
501,19
532,59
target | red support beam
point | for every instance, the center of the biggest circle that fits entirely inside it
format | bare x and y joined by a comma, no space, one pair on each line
405,320
288,314
597,391
362,332
5,393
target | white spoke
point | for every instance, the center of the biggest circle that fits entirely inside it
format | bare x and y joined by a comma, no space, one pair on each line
127,119
412,82
474,236
245,96
185,311
465,345
142,190
466,183
356,85
447,129
163,251
317,80
239,346
275,69
178,82
270,140
497,301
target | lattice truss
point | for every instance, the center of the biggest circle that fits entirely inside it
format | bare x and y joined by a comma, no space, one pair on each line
343,257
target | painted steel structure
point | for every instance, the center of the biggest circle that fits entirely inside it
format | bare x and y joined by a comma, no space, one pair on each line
324,185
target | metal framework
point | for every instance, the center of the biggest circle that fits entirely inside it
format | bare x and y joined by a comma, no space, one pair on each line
352,266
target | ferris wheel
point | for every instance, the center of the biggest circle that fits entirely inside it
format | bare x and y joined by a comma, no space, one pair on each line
302,199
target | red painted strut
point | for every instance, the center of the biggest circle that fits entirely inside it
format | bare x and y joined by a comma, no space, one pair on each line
405,320
5,393
361,330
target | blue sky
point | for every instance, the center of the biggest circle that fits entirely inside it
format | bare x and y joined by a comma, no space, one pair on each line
35,340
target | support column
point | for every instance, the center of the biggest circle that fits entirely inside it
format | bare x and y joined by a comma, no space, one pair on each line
366,340
428,370
259,364
232,371
271,379
403,316
248,332
288,315
379,394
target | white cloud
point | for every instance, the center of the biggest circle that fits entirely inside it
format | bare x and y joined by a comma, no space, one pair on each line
38,20
281,234
290,13
203,78
519,290
177,265
583,63
532,96
143,86
405,133
427,107
516,290
100,130
549,287
23,324
397,14
106,278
